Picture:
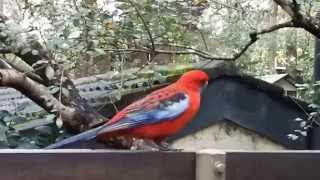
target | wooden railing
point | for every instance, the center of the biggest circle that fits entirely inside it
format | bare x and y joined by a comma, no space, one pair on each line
132,165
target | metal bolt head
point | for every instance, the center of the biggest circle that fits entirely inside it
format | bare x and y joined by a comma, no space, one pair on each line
219,167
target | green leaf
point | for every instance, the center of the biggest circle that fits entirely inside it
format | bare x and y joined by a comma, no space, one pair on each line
53,89
99,51
118,96
35,52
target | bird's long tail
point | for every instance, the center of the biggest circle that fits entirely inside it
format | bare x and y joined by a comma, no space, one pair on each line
85,136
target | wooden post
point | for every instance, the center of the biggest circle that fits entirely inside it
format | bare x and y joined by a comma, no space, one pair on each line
210,165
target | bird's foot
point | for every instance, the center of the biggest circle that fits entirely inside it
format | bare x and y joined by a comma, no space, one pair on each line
175,149
145,144
165,146
150,145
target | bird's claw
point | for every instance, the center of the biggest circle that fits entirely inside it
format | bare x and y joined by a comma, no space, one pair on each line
150,145
170,149
175,149
165,146
141,144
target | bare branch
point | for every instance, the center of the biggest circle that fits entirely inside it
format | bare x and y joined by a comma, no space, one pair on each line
205,55
186,47
144,24
5,50
160,51
300,20
4,64
286,6
276,27
40,95
22,67
203,40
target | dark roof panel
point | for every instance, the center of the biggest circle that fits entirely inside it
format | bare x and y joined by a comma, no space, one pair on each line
251,104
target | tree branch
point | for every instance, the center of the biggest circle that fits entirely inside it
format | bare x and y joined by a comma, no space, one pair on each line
5,50
79,115
4,64
22,67
300,20
275,27
205,55
286,6
203,40
71,117
187,47
153,47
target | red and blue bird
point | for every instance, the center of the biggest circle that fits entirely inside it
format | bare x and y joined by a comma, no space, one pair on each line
155,117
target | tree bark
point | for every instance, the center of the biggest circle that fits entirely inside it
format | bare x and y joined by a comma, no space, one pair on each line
72,117
300,20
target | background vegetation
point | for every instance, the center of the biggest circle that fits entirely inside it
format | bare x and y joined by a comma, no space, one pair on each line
51,42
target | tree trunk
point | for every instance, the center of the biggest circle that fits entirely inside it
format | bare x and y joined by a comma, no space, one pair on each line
273,41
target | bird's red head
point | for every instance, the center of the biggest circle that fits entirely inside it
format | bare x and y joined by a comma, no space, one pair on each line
195,80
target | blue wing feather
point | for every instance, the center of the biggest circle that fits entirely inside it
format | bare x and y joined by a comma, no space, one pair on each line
85,136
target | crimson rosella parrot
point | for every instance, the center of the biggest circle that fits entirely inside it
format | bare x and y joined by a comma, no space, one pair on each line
155,117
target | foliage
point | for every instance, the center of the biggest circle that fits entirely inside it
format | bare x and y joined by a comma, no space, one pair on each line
79,32
311,93
36,138
92,36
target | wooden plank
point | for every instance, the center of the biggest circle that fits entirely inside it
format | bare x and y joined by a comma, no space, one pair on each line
282,165
210,165
96,165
